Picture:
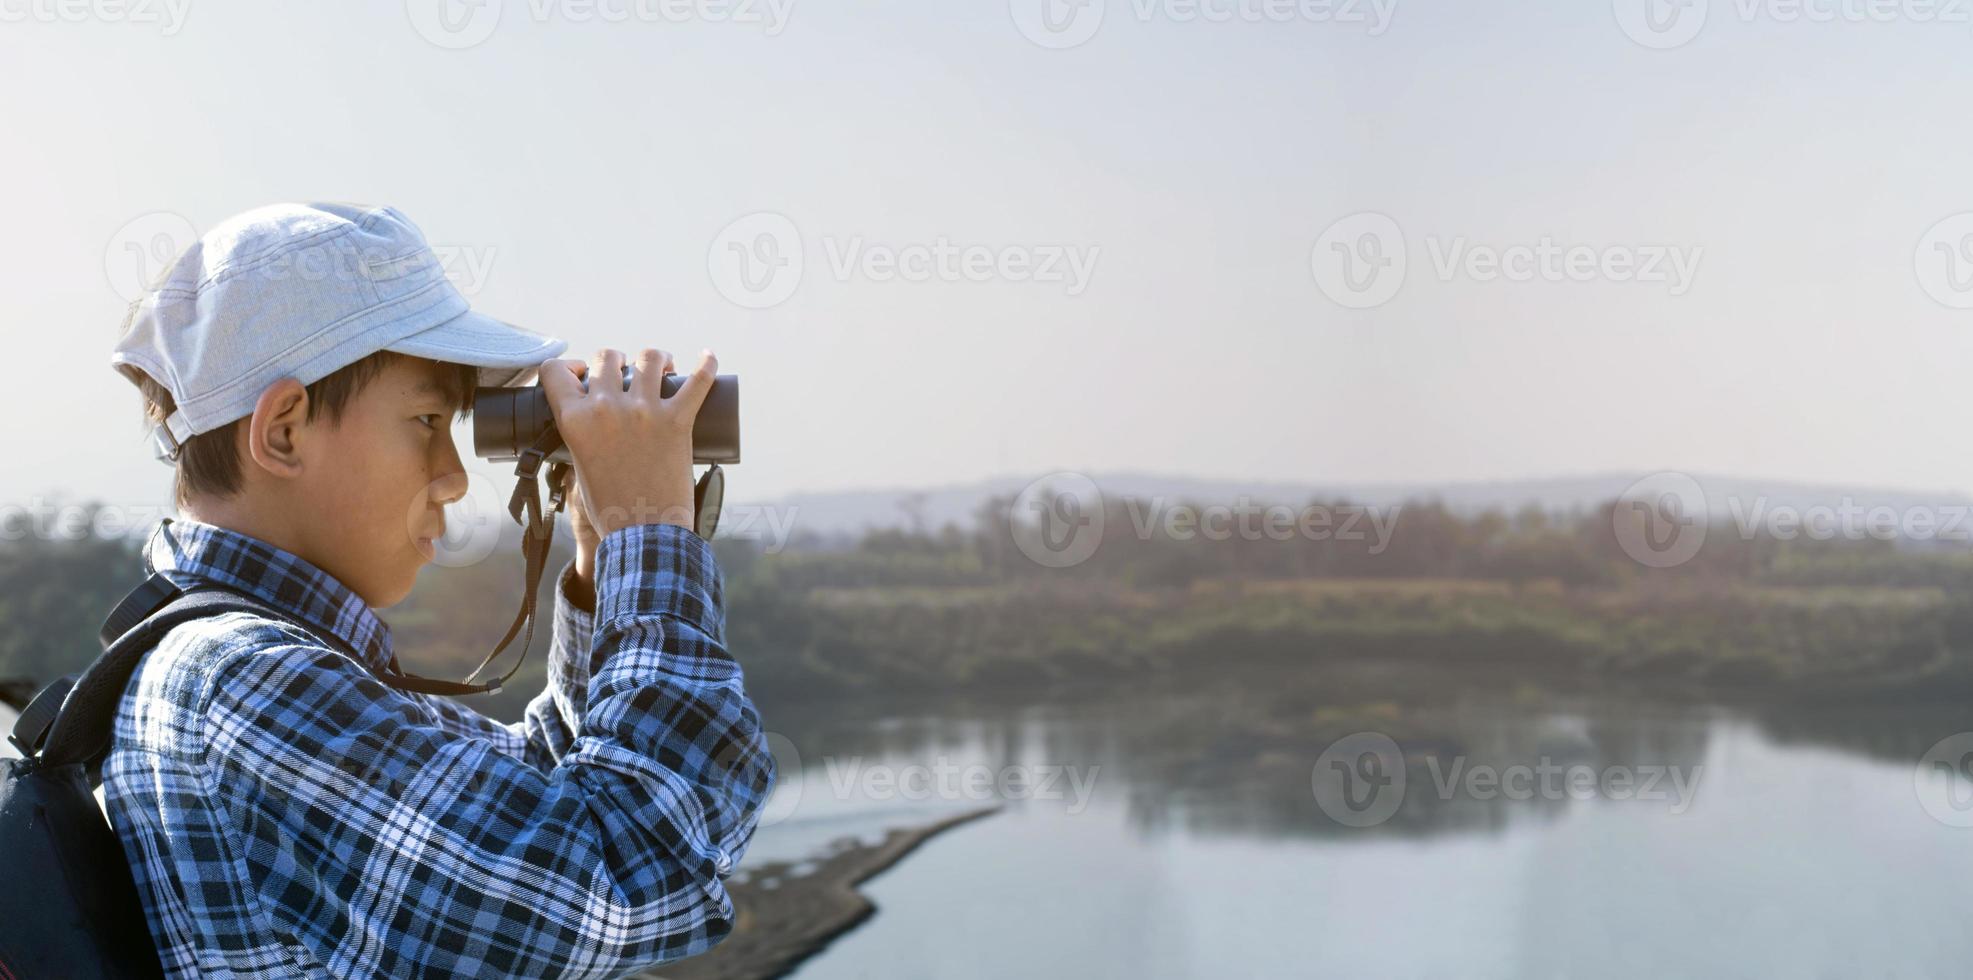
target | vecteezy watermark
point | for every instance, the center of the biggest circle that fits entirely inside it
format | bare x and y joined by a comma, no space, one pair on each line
1661,24
1057,520
1943,780
758,261
1361,780
1063,24
459,24
852,779
1248,520
41,519
1361,261
141,252
467,267
1944,262
943,260
1550,780
167,15
472,520
786,760
1666,24
1663,519
771,524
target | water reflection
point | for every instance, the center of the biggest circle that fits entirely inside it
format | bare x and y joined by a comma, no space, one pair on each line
1202,848
1244,759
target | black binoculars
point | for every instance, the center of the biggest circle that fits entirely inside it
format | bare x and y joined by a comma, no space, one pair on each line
506,421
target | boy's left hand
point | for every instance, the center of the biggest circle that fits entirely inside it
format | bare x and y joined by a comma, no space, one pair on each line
586,538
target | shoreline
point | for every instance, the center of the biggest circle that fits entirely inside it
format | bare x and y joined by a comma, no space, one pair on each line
782,926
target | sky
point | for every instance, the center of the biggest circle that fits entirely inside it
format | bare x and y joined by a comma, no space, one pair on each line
1415,241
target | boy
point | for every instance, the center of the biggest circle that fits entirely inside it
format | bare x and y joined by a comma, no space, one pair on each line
286,812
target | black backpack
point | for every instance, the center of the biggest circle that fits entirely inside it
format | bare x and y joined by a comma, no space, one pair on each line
70,909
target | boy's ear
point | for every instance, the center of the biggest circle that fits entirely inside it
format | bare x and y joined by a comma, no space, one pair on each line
275,431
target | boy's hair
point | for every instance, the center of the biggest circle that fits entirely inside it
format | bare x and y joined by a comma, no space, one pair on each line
209,462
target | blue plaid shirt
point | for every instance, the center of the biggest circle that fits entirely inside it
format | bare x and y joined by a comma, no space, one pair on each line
286,814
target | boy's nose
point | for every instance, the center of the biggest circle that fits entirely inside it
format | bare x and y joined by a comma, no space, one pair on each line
449,487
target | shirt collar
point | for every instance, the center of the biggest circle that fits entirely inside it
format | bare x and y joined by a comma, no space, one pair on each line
181,547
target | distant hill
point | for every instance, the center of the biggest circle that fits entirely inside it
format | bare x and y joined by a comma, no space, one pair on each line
851,512
842,515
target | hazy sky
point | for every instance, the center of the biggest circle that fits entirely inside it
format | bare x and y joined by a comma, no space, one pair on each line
593,169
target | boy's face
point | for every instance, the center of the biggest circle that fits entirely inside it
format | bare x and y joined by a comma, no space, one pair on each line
379,482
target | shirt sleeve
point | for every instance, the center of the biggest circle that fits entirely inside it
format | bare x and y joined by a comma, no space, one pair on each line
389,844
549,725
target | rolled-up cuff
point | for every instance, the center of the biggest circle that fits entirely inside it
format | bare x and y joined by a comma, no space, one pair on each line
660,569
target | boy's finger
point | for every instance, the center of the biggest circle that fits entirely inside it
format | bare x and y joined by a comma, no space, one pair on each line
649,378
692,394
606,372
560,379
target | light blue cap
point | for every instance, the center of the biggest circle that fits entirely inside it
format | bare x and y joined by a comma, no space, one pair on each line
302,290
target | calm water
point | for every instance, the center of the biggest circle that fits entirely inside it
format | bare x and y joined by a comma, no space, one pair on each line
1196,846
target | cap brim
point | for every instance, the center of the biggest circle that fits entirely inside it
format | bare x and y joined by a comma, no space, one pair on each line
506,355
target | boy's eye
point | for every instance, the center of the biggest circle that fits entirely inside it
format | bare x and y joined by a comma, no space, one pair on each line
429,421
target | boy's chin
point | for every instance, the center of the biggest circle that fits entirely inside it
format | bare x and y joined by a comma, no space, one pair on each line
397,591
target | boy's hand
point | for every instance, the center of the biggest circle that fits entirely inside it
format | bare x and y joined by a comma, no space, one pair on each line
586,538
632,448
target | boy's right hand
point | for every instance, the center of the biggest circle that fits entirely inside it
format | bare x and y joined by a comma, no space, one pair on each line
632,448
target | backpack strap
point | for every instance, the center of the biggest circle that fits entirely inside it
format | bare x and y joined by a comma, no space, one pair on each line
73,719
79,730
39,716
33,721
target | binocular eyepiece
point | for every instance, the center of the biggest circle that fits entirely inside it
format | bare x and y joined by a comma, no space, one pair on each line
506,421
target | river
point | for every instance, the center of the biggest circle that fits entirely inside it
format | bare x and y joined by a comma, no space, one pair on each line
1533,836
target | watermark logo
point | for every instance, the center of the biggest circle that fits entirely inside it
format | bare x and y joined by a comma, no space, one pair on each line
141,252
467,267
1548,779
757,262
41,519
167,15
1546,260
459,24
943,260
851,778
789,786
1662,24
1661,520
1057,24
1944,262
1359,780
1057,521
472,522
1943,780
1249,520
1666,24
454,25
1060,24
1360,262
